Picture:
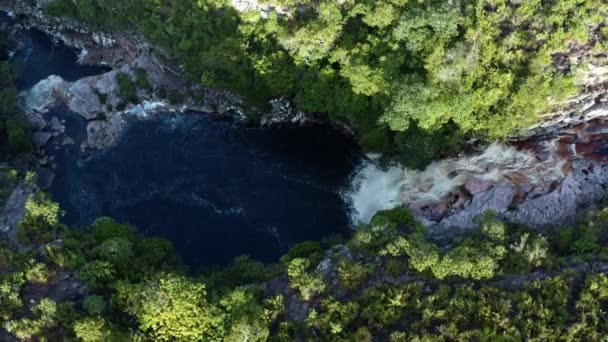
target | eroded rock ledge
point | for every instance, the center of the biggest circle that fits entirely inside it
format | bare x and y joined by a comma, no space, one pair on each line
96,97
553,170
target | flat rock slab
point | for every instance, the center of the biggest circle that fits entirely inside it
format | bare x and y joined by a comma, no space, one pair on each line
475,186
40,139
13,211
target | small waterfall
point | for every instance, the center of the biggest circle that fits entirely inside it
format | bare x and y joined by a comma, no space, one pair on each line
44,94
374,188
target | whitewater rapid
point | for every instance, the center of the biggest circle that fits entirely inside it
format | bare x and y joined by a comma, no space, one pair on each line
377,188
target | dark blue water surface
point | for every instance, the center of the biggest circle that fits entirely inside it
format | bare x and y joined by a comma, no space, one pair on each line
39,57
216,190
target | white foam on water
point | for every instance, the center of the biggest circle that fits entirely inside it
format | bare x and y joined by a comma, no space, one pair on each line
145,108
44,94
374,188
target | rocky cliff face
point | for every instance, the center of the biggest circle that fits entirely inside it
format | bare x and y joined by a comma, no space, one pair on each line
539,177
96,98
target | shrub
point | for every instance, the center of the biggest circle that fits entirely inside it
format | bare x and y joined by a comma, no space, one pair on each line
10,301
126,88
352,274
19,137
94,305
117,251
587,241
532,250
171,308
66,314
393,217
26,328
38,273
307,249
105,228
40,221
154,252
309,285
493,228
97,274
141,79
8,180
91,329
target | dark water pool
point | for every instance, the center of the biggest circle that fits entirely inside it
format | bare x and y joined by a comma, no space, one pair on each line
216,190
39,58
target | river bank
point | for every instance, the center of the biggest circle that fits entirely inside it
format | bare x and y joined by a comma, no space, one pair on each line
217,188
539,177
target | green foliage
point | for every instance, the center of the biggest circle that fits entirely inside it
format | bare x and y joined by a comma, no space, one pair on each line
477,67
306,249
66,314
40,221
542,309
26,328
38,273
587,241
105,228
530,250
233,303
91,329
480,257
94,305
393,217
591,325
307,283
242,271
352,274
126,88
170,307
10,301
382,230
116,251
8,180
97,274
14,129
19,137
141,79
154,253
246,319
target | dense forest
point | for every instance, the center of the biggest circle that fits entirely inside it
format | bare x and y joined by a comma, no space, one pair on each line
404,74
413,78
389,282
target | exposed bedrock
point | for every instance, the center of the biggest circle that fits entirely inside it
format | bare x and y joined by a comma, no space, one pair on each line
539,178
125,52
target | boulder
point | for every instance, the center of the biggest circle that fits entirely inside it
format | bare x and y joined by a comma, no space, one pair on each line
56,125
45,178
40,139
84,100
45,94
36,121
498,199
475,186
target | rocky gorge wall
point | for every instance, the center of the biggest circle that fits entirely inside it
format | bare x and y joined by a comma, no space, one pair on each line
539,177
